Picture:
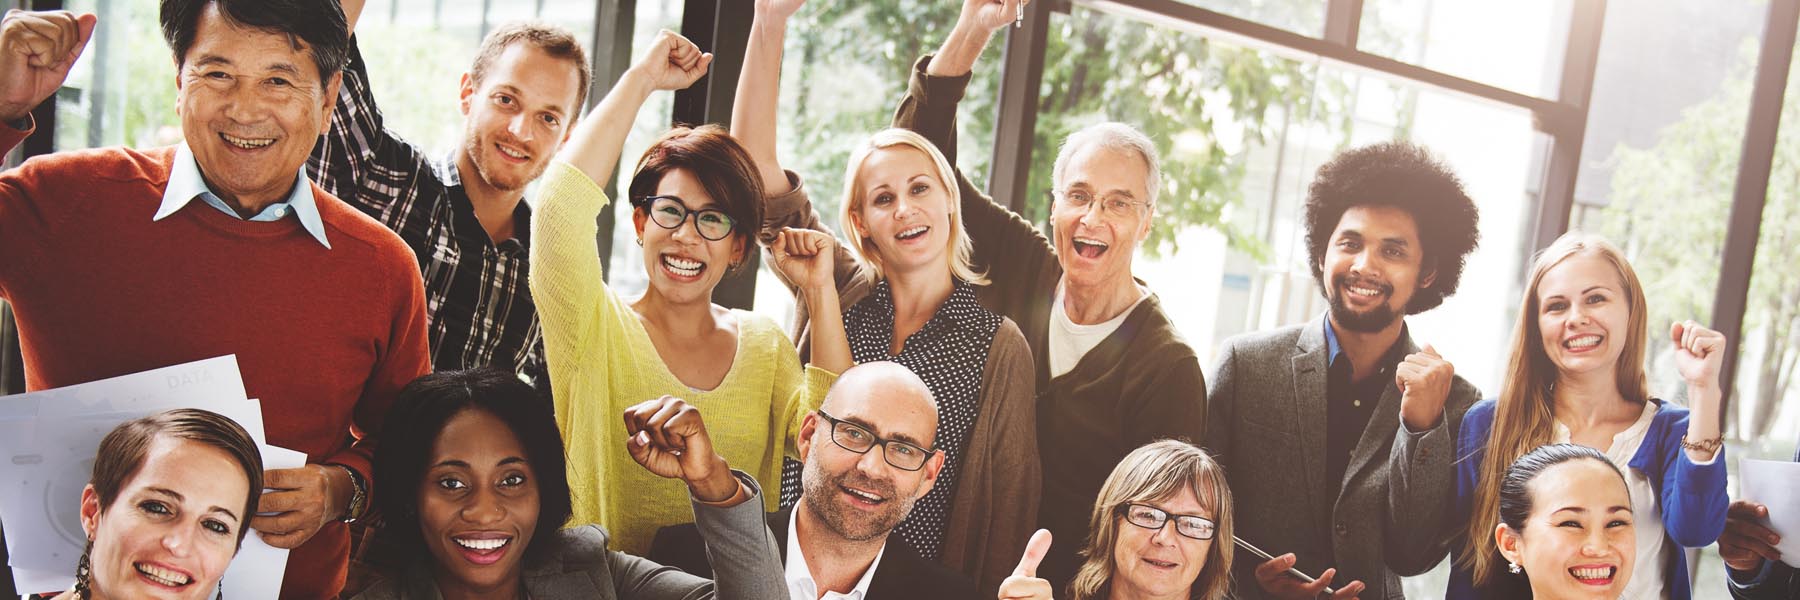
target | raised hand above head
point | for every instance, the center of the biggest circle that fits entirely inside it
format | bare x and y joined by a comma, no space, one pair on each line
780,9
673,62
990,15
974,27
36,51
1024,583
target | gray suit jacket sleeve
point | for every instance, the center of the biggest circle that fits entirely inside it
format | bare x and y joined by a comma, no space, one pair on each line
1422,488
740,546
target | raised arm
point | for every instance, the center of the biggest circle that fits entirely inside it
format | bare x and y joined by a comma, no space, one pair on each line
754,110
36,51
1019,261
565,267
352,12
672,63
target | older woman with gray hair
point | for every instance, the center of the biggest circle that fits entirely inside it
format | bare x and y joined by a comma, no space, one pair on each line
1161,528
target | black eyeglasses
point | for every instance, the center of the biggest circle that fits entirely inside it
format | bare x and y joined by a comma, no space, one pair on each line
858,439
1150,517
669,213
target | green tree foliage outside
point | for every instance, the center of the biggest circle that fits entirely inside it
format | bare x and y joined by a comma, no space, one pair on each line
1668,209
847,64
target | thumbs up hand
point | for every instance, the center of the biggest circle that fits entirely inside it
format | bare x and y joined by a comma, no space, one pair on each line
1024,583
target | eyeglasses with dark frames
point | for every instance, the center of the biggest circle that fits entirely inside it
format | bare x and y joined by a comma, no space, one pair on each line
669,213
856,438
1150,517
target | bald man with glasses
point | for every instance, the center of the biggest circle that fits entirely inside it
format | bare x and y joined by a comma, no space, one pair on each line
868,455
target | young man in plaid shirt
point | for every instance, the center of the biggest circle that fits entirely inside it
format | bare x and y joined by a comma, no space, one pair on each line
464,214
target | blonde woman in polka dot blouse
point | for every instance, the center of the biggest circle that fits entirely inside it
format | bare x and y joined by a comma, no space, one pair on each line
908,293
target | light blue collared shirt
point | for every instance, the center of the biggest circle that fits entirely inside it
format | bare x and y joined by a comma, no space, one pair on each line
185,184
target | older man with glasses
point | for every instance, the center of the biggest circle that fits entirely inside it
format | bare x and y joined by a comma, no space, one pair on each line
869,455
1112,371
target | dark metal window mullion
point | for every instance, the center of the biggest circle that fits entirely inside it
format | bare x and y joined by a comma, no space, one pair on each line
1731,298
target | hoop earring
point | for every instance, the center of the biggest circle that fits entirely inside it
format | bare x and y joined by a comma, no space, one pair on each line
84,573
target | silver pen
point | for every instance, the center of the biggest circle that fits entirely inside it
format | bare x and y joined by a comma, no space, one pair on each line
1292,572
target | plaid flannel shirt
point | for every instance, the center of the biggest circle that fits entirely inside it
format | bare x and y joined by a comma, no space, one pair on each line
477,295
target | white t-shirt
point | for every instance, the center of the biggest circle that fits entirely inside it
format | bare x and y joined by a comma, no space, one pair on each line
1069,341
799,578
1653,543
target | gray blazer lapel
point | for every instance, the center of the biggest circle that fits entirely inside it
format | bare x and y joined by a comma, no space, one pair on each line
1310,361
1382,426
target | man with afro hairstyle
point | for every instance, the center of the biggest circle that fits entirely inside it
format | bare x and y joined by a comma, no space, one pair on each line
1337,434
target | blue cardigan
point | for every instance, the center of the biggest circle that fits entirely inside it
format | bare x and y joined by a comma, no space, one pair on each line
1692,497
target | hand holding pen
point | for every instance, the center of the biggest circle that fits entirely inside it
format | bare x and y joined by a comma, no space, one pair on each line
1277,576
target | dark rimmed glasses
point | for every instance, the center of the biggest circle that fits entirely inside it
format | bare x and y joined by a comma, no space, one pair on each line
1150,517
856,438
669,213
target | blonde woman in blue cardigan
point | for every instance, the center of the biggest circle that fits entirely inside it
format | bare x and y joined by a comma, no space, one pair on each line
1577,376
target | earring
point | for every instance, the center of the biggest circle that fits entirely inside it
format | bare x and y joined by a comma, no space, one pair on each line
1513,567
640,241
84,572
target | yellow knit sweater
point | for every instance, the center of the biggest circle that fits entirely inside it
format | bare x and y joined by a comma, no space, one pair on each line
602,362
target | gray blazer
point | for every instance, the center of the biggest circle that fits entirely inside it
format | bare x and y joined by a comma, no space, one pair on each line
579,565
1266,423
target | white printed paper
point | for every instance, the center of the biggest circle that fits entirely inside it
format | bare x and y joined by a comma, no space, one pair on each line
1776,484
47,444
257,569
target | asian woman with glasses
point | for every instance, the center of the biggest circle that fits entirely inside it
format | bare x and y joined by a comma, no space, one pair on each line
695,207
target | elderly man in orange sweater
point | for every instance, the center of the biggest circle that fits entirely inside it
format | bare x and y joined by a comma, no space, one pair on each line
120,260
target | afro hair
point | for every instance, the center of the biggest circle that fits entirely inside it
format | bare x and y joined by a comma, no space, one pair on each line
1407,177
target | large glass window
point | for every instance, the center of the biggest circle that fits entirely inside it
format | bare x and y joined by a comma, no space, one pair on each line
1664,137
1514,45
844,70
1664,134
1306,17
1242,133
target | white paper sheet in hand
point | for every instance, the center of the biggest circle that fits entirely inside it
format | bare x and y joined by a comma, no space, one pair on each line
47,444
257,570
1776,484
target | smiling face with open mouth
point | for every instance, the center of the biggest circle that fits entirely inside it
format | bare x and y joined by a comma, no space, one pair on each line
861,496
1579,542
478,505
1096,250
1160,563
1584,315
1373,267
172,530
904,211
684,266
251,107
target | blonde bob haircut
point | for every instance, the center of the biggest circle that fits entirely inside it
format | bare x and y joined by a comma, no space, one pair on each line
961,248
1523,416
1152,473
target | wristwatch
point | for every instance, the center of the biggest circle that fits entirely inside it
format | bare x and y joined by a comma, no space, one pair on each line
359,495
